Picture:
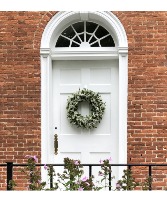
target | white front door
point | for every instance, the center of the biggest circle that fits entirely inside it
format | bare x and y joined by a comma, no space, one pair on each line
87,145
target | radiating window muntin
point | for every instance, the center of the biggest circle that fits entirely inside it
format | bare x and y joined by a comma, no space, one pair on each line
85,34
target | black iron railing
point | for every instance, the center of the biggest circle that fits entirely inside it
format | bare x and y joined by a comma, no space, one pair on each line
11,165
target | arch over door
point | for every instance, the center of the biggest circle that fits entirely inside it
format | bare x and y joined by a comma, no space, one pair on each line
49,53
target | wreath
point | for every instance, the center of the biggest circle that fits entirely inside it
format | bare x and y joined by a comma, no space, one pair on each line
97,107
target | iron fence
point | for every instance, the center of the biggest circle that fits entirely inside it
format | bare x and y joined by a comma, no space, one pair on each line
10,165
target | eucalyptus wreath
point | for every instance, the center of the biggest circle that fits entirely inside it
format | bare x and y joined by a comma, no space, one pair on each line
97,108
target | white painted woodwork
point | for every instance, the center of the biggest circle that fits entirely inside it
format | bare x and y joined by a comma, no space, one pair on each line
50,55
88,145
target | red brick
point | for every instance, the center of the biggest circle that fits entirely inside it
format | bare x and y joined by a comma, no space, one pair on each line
20,120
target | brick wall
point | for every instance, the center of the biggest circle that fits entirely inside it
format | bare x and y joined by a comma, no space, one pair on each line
20,36
147,89
147,83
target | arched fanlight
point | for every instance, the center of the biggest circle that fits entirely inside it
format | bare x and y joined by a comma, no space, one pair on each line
85,34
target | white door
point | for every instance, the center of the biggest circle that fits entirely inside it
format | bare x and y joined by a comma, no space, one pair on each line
87,145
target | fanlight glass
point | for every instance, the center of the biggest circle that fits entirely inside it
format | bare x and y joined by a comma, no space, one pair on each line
85,34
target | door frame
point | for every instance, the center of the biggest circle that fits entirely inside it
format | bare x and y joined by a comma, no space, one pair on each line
49,53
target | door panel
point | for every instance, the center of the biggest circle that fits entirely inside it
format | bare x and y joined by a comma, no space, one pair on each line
87,145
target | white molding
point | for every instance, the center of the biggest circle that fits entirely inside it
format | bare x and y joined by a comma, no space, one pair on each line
44,106
62,19
123,51
44,52
123,97
84,15
74,54
48,53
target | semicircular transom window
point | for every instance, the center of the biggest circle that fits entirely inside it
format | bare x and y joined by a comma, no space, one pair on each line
85,34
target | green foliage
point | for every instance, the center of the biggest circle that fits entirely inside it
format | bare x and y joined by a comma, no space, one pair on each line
97,108
104,173
127,182
72,178
71,175
33,175
12,184
146,184
51,174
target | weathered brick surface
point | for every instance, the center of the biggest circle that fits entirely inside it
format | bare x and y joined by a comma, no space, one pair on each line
20,122
147,85
147,88
20,34
20,37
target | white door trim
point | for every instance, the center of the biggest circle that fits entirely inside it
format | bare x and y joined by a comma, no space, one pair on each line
85,54
48,53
